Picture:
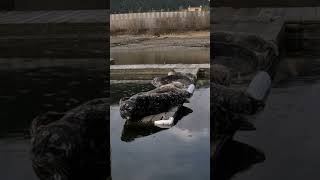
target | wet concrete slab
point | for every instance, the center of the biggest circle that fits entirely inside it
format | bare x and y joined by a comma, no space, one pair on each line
149,71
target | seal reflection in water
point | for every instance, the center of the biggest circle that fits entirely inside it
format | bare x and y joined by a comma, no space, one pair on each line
138,129
153,102
235,157
72,145
230,110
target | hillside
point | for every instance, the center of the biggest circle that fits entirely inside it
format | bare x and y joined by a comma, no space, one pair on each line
124,6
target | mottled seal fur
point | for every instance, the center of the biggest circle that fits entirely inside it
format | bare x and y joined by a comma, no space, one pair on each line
234,100
229,108
72,145
184,78
244,55
220,75
152,102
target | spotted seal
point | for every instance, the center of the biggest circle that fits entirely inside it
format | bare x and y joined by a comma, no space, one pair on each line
232,103
156,101
220,74
72,145
235,100
184,78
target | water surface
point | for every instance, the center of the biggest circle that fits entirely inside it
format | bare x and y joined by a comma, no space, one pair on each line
288,129
30,87
181,152
162,56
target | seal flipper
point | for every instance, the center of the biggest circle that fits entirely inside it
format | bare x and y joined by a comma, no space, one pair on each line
246,126
187,101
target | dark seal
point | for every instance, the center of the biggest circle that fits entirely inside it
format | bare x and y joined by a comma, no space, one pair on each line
153,102
72,145
184,78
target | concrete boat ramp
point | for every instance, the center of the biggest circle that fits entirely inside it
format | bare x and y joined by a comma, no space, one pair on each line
146,72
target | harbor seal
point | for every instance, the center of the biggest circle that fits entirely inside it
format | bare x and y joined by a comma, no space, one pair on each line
220,74
153,102
235,100
72,145
185,79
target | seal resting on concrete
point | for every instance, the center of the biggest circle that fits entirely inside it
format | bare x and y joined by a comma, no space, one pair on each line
245,56
235,100
230,106
224,126
72,145
152,102
220,75
184,78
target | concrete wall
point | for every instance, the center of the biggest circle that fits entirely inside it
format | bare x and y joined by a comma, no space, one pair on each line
150,20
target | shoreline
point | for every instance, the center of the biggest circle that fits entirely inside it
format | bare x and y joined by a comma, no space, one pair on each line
173,41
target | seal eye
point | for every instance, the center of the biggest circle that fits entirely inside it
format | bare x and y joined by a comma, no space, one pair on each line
122,100
130,106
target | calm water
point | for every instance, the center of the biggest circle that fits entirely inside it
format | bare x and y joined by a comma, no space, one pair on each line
31,87
162,56
181,152
286,142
